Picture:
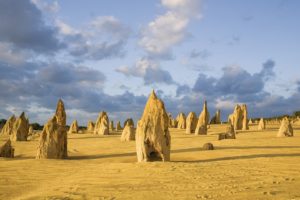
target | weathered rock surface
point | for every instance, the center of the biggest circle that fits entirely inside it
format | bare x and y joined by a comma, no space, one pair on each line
286,129
52,141
61,118
208,146
90,126
20,129
203,120
245,125
74,127
181,121
153,140
229,133
261,124
191,123
6,150
102,124
129,121
236,118
8,127
128,133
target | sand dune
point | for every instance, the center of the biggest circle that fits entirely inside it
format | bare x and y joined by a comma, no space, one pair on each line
256,165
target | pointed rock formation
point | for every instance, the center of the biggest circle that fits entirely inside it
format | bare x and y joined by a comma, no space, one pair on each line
153,140
203,120
111,125
217,118
6,150
61,118
170,120
60,113
286,129
229,133
8,127
261,124
102,123
52,141
20,129
118,126
250,122
181,121
128,133
90,126
74,127
245,117
191,123
129,121
236,118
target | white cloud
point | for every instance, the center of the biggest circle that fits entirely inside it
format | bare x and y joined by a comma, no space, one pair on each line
225,104
185,7
52,7
139,69
169,29
103,37
64,28
148,70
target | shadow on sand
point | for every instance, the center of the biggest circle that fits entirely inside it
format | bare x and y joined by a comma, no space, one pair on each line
243,157
99,156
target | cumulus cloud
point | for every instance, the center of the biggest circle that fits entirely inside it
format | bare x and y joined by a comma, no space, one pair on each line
235,81
22,25
149,70
52,7
169,29
103,37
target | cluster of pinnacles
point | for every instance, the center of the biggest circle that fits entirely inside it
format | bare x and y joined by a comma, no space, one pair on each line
152,136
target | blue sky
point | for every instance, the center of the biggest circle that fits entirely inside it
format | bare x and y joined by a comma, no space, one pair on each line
109,54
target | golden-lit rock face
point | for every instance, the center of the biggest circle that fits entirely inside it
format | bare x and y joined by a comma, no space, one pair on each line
261,124
90,126
236,118
8,127
74,127
102,124
245,122
128,133
153,140
20,129
61,118
181,121
286,129
61,113
203,120
52,141
191,123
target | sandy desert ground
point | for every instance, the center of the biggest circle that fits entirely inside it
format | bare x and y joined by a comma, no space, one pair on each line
256,165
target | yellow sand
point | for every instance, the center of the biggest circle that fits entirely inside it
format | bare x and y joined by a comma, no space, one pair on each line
256,165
